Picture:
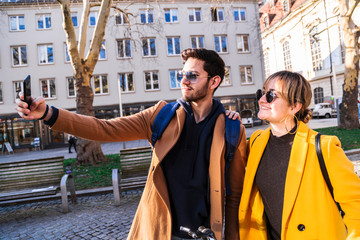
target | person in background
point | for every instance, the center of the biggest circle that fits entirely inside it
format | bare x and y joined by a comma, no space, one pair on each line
186,180
285,195
72,142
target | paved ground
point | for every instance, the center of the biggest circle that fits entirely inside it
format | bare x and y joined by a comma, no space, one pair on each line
93,217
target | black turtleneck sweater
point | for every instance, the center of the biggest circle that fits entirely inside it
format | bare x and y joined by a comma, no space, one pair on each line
270,179
186,169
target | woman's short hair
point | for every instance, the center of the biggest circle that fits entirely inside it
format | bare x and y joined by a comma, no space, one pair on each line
295,89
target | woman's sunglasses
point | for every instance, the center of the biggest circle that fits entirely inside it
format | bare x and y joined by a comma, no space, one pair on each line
191,76
269,95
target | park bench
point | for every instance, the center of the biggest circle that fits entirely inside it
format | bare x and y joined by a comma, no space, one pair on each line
35,180
134,164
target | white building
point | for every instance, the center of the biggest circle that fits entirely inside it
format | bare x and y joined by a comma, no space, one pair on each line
305,36
143,56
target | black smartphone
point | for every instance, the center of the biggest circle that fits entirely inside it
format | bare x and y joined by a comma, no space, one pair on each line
27,90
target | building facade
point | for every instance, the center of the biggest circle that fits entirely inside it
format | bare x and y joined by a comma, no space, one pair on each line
138,61
305,36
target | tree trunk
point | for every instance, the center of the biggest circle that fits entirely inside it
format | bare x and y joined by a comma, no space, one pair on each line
88,152
349,118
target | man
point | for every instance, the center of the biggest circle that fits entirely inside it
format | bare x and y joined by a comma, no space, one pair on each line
72,142
186,180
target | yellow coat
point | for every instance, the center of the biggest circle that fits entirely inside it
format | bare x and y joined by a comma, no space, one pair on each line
308,204
152,220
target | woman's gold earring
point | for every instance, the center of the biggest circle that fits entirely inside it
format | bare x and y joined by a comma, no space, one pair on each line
297,124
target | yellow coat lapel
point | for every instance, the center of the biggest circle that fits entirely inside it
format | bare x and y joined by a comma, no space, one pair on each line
295,170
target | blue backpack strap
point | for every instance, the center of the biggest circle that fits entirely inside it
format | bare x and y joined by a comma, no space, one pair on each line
162,120
232,134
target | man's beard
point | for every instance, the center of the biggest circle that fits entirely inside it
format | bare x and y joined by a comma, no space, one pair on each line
197,95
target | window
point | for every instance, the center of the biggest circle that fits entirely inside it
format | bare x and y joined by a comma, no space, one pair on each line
46,55
286,5
174,80
123,48
242,41
93,16
240,14
17,23
18,87
226,81
71,86
266,21
318,95
126,82
194,14
197,41
217,14
102,54
1,96
287,56
100,84
315,50
173,45
19,57
266,64
220,44
74,19
246,75
147,16
171,15
67,56
48,88
149,47
121,19
151,80
43,21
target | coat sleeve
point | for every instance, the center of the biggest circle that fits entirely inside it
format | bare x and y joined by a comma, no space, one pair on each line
134,127
236,180
346,184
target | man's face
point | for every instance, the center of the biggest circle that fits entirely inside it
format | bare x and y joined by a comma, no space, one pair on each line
197,89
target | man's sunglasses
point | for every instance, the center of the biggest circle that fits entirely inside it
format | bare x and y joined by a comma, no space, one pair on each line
269,95
191,76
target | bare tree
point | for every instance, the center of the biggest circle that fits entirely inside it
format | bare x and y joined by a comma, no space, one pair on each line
349,111
89,152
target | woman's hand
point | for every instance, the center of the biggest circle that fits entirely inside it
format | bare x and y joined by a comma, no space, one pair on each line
233,115
37,108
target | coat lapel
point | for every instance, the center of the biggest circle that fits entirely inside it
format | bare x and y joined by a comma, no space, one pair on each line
295,170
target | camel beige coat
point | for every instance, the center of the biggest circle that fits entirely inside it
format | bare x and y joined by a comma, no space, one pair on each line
153,217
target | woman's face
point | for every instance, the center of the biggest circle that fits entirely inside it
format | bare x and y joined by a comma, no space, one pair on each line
276,111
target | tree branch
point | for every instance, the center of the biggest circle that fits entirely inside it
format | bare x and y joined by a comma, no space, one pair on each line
352,9
83,28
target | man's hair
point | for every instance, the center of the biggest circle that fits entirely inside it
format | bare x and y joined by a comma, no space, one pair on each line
214,65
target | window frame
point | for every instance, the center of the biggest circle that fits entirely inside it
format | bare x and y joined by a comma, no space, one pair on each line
77,19
48,85
174,80
197,37
239,12
315,47
194,10
221,43
149,16
318,95
174,41
17,22
171,15
47,56
126,74
126,43
1,94
287,56
124,20
103,49
240,40
96,17
215,17
152,80
16,85
247,82
20,56
101,80
44,21
148,43
68,87
227,76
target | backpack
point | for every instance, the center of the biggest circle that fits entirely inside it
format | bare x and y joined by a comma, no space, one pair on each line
232,134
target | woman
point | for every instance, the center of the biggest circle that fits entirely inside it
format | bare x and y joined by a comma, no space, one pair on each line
285,195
